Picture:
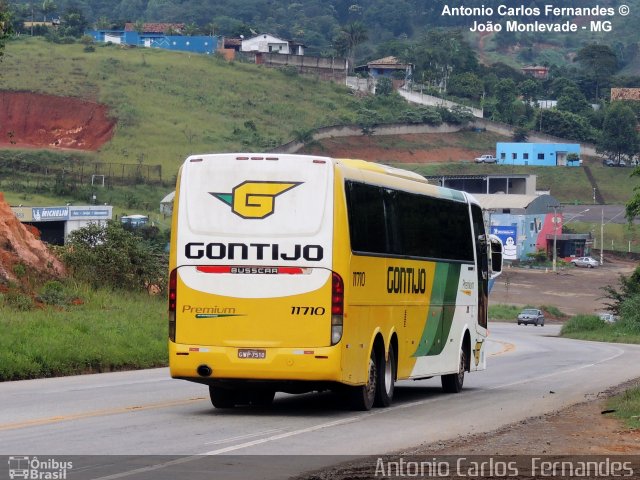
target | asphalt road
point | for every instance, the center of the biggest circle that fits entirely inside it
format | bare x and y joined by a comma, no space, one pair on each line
143,424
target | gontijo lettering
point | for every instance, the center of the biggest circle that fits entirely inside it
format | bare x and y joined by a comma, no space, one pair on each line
252,251
406,280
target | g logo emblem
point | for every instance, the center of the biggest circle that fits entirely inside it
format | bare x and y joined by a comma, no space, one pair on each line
253,199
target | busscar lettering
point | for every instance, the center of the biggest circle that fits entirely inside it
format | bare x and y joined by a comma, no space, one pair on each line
406,280
253,251
255,270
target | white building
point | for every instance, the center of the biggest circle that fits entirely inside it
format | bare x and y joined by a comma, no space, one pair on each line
267,43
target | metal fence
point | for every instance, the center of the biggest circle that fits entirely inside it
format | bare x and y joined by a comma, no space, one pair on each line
104,173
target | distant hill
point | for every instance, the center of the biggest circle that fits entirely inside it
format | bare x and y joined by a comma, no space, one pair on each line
316,23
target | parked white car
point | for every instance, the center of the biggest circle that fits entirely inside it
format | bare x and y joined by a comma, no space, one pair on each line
587,262
608,317
486,159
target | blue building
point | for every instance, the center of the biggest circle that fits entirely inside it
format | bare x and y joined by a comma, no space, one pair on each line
165,36
539,154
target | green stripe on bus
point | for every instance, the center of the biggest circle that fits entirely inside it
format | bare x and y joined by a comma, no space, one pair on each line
441,310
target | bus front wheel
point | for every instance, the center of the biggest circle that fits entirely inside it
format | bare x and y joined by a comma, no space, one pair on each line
362,397
452,383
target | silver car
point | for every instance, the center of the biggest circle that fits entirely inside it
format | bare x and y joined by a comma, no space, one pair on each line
531,315
586,262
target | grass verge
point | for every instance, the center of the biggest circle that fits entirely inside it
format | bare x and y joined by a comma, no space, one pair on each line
590,327
627,406
108,331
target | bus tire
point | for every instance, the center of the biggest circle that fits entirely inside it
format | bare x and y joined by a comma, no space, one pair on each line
452,383
386,379
222,397
363,397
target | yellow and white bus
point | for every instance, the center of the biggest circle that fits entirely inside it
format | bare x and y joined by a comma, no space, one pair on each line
299,273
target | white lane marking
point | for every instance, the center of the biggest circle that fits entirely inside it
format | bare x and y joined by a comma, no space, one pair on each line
619,353
150,468
242,437
292,433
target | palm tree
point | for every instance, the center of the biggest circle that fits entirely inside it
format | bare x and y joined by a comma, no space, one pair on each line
350,36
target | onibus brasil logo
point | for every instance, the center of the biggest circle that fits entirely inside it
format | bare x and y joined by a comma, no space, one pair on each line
254,199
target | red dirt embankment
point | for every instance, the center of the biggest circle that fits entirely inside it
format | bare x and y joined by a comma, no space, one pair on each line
18,245
46,121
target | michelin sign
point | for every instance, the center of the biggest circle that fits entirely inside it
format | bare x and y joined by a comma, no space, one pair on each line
43,214
59,214
508,235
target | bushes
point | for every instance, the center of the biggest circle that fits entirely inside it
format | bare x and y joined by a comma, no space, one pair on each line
53,293
581,323
110,256
630,314
17,301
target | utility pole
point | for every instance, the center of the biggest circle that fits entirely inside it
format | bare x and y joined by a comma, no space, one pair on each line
602,238
555,236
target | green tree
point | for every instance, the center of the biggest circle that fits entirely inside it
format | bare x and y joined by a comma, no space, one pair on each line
384,86
5,25
73,22
506,97
466,85
348,38
627,288
440,54
565,124
619,132
529,90
598,62
573,100
48,8
103,23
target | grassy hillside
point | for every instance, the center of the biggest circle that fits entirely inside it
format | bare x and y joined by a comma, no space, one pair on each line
169,104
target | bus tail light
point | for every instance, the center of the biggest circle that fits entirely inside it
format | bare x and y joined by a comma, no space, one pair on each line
337,308
173,298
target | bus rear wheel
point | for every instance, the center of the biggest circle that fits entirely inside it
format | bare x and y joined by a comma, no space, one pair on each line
452,383
386,379
362,397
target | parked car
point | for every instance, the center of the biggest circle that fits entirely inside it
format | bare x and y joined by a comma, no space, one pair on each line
531,315
486,159
609,162
586,262
608,317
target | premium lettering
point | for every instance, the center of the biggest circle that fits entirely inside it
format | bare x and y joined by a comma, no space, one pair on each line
253,251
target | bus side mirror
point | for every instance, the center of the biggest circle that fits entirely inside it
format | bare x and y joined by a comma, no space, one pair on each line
495,244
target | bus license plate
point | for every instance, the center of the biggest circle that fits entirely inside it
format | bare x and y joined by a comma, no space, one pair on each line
252,353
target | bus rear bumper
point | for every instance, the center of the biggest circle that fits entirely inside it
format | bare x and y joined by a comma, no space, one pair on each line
307,364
